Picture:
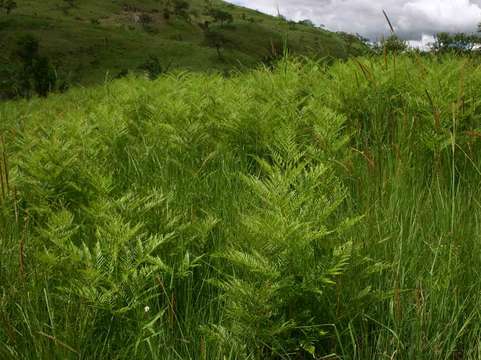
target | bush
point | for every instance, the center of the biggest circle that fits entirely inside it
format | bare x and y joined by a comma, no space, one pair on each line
27,49
44,76
223,17
35,71
217,40
393,44
307,23
29,72
181,8
153,68
8,5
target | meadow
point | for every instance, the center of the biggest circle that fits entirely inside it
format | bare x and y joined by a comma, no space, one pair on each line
308,211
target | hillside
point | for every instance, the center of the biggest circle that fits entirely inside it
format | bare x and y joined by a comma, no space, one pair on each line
85,39
305,212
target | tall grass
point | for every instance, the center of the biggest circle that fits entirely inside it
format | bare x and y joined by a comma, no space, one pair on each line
304,212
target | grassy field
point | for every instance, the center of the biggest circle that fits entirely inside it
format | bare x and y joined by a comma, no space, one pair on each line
308,212
98,39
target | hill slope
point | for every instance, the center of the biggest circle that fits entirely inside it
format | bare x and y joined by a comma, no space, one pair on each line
87,38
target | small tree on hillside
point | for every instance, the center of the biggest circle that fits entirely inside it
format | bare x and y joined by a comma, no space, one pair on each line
36,71
217,40
166,13
221,16
145,20
70,3
8,5
153,67
181,8
27,49
307,22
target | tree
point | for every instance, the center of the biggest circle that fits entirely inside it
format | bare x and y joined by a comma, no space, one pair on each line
307,22
393,44
8,5
220,16
181,8
466,42
36,71
215,39
27,49
153,67
145,20
70,3
166,13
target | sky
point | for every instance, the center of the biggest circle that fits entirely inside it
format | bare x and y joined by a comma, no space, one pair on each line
414,20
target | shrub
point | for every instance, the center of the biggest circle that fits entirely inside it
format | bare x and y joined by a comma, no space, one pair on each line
27,49
221,16
217,40
35,72
180,8
8,5
393,44
153,67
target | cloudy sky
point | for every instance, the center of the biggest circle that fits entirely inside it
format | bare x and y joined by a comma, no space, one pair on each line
415,20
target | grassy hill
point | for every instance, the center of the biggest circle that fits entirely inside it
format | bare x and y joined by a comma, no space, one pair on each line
89,38
307,212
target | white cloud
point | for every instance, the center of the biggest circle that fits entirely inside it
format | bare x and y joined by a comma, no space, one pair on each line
411,18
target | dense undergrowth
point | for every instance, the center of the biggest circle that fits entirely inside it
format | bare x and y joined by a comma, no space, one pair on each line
302,213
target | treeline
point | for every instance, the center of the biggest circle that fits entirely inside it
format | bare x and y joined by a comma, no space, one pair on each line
460,42
444,42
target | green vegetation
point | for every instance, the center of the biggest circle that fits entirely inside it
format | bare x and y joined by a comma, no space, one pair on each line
394,45
295,213
460,43
90,41
35,72
8,5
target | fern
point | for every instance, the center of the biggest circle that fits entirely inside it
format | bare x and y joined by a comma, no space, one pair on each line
273,301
